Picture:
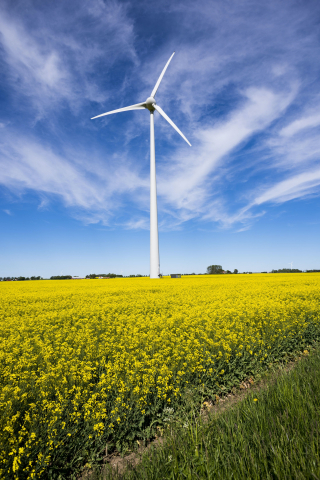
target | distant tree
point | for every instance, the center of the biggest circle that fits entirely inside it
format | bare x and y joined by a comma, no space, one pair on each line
228,271
214,269
61,277
264,272
235,270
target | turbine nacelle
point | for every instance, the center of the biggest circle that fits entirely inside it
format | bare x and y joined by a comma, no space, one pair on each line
150,102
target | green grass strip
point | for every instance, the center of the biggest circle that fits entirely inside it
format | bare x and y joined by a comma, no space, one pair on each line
274,433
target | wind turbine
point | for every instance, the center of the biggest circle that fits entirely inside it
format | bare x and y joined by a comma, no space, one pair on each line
151,105
290,263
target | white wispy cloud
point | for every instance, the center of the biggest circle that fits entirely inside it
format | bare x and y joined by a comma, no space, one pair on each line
49,57
300,124
297,186
186,178
90,186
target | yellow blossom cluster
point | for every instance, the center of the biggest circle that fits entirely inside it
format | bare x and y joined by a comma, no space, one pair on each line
80,359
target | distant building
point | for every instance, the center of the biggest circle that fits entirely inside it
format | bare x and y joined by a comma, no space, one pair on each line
175,275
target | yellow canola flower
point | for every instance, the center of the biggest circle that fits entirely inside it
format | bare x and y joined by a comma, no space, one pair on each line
79,357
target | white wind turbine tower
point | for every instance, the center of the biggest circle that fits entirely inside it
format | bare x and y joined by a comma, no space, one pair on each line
290,263
151,105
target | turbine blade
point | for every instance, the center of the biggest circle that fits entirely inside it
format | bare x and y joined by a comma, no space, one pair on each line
138,106
154,91
170,121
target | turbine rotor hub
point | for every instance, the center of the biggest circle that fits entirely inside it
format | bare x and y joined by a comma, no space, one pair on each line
149,103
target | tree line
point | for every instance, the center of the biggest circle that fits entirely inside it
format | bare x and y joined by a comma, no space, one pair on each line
8,279
217,269
61,277
211,270
105,275
287,270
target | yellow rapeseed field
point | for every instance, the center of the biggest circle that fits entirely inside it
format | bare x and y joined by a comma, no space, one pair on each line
93,361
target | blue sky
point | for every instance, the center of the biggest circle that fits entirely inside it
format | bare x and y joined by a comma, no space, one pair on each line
243,86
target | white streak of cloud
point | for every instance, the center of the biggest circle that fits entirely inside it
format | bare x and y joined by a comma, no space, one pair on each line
51,63
300,124
297,186
185,178
27,165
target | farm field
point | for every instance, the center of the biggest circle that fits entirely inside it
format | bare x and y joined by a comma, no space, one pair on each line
90,362
271,434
